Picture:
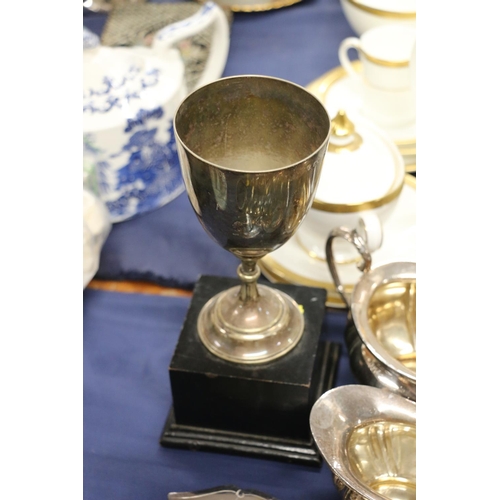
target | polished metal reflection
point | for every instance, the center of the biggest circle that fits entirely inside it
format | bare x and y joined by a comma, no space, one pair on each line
391,314
367,435
221,493
383,310
251,150
382,339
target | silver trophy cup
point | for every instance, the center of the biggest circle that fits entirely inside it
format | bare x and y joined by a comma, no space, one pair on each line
251,150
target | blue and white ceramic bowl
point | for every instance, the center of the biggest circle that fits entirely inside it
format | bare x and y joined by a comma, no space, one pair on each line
130,97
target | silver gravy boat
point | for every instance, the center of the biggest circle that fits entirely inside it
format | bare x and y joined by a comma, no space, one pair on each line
367,436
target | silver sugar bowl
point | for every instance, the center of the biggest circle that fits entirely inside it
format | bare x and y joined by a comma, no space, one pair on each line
381,334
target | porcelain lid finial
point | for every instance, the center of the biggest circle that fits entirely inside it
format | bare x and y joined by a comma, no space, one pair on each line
343,135
341,126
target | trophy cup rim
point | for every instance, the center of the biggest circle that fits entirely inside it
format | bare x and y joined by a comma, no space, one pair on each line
264,77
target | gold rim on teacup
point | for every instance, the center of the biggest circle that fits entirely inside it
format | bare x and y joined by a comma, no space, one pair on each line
384,62
382,12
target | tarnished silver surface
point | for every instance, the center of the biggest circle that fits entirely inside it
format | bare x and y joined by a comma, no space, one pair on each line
251,151
221,493
382,344
367,435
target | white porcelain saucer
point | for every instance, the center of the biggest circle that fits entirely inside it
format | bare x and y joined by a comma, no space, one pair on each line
291,264
337,91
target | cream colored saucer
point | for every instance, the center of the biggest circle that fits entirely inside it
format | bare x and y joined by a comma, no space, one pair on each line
291,264
337,91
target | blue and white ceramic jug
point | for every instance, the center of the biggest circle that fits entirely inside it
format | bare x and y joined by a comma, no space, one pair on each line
130,96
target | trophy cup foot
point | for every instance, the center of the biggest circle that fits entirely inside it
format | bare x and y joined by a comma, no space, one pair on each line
262,330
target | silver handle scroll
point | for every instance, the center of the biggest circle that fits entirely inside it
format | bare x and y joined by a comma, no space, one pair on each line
356,239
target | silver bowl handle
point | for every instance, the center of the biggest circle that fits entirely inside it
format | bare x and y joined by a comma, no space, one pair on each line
356,239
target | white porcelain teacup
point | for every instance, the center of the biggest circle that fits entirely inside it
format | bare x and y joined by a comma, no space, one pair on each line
386,77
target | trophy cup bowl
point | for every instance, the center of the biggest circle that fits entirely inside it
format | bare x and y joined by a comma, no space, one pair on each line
251,150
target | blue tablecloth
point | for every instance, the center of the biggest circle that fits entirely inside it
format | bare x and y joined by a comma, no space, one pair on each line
168,246
128,343
129,339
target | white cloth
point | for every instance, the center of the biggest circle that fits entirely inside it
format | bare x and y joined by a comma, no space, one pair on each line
96,228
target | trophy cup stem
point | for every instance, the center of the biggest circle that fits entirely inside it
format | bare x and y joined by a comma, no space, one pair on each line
248,272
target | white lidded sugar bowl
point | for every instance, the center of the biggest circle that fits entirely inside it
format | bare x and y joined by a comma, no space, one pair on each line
130,96
361,180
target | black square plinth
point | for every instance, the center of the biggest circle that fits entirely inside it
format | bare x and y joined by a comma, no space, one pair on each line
258,410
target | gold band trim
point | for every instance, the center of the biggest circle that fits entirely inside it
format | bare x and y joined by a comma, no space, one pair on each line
411,181
408,150
383,62
381,12
392,194
358,207
322,85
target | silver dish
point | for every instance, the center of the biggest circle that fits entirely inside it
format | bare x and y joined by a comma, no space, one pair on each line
221,493
367,436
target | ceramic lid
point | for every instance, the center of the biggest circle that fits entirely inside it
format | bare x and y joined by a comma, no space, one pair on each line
362,165
119,82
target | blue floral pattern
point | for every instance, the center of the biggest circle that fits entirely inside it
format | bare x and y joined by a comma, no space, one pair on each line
117,92
135,167
146,172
